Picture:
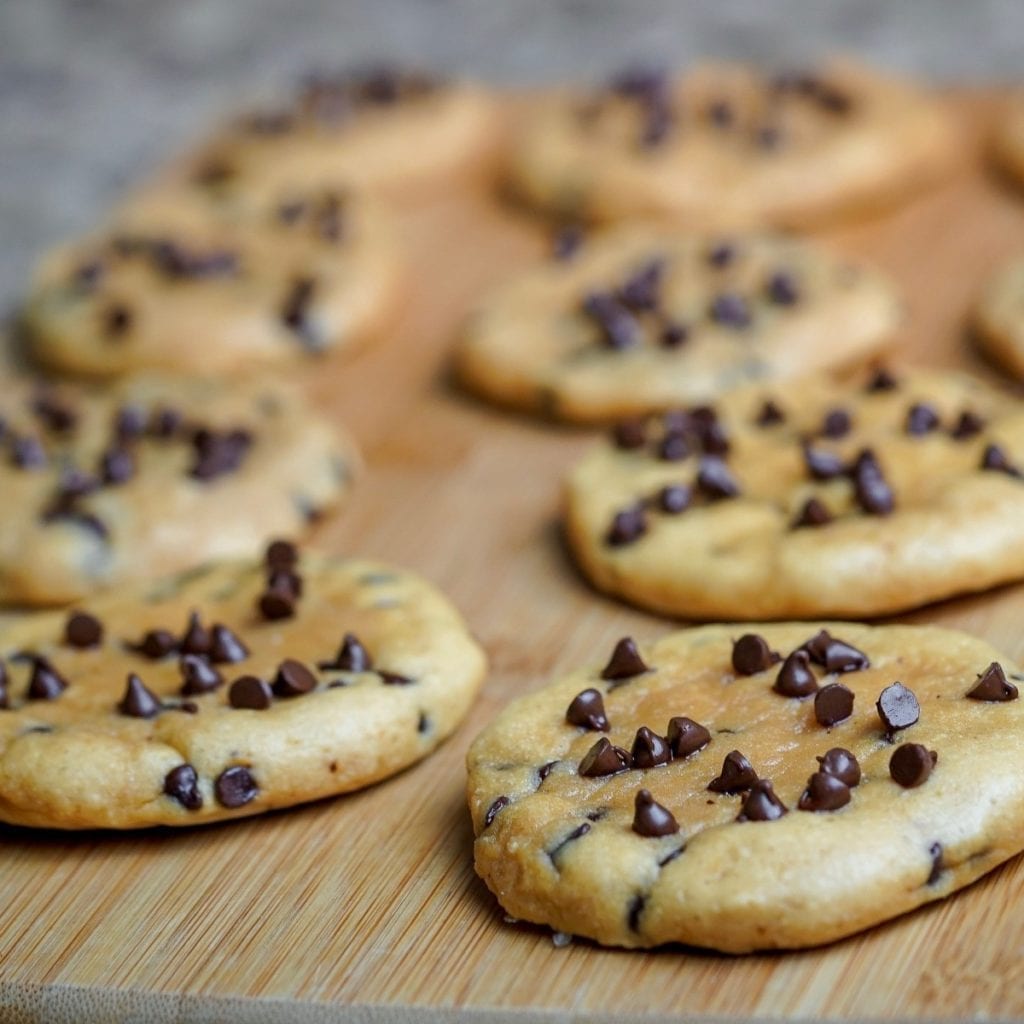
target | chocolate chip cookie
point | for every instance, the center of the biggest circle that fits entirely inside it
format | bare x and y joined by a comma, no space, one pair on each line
999,317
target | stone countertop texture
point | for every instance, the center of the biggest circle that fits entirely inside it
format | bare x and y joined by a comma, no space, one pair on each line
95,92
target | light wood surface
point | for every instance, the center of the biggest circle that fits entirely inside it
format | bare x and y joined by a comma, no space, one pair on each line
366,908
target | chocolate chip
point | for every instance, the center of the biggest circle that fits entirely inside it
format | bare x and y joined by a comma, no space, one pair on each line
156,644
873,494
545,770
196,638
182,784
567,242
55,415
686,737
27,452
129,423
824,792
117,466
911,764
674,334
761,803
250,692
88,275
673,448
768,137
833,704
731,310
352,656
603,759
45,682
138,700
641,290
295,311
837,423
713,437
492,811
721,254
992,685
625,662
897,708
842,764
5,701
285,581
617,327
117,320
751,654
782,289
394,678
822,465
813,513
235,787
587,711
968,425
274,605
921,419
721,114
83,630
795,678
881,380
165,422
770,414
281,554
576,833
935,873
996,459
630,434
198,675
293,679
650,819
737,775
649,750
218,453
673,499
225,647
715,481
627,525
66,512
835,655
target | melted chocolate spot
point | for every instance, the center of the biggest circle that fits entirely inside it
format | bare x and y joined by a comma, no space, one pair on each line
394,678
935,852
968,425
782,289
822,465
218,453
576,833
295,312
730,309
567,243
641,291
881,380
770,414
618,328
873,493
281,554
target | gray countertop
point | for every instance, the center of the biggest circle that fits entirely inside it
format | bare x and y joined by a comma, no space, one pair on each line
94,92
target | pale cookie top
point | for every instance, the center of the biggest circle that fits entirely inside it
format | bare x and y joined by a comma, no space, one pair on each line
726,144
771,790
183,280
152,476
642,317
815,498
1009,137
999,317
227,691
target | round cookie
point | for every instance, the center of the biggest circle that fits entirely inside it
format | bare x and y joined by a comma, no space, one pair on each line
687,793
725,144
817,498
153,475
223,283
1009,137
642,317
999,317
228,691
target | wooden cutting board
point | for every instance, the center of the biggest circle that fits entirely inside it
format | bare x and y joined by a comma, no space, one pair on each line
366,908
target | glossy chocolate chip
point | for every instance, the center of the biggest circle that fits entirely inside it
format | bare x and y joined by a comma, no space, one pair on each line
751,654
673,448
842,764
198,675
630,434
686,737
649,750
225,646
182,784
897,708
352,656
274,605
835,655
994,458
83,630
911,764
138,700
872,491
156,644
992,685
293,679
492,811
782,289
129,423
218,453
625,662
45,682
822,465
587,711
281,554
27,452
770,414
627,526
969,424
235,787
603,759
650,819
795,678
837,423
814,513
761,803
673,499
730,309
715,481
833,704
824,792
737,774
285,581
196,638
250,692
921,419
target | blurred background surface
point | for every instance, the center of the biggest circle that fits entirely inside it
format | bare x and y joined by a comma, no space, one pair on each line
95,92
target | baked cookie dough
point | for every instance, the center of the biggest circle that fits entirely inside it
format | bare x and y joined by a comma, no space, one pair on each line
725,144
230,690
999,317
153,475
813,498
1009,137
776,789
641,317
200,283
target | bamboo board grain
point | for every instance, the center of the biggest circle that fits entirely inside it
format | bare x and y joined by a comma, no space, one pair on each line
366,908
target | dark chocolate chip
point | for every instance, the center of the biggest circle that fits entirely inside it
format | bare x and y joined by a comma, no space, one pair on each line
627,526
117,320
198,675
761,803
45,682
218,452
835,655
625,662
617,327
629,434
969,424
822,465
824,792
587,711
911,764
274,605
635,911
782,289
235,787
196,638
795,678
156,644
394,678
650,819
715,481
731,310
992,685
842,764
721,114
603,759
545,770
996,459
814,513
293,679
751,654
281,554
138,700
686,737
225,646
881,380
250,692
492,811
54,414
873,493
649,750
295,312
83,630
352,656
642,290
921,419
165,422
837,423
567,242
27,452
5,700
285,581
721,254
673,448
182,784
770,414
674,334
673,499
129,423
737,775
833,704
117,466
935,873
576,833
897,708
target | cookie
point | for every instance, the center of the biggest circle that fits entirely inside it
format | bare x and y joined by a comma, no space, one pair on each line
817,498
643,317
727,145
775,789
999,317
211,284
151,476
1009,137
227,691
